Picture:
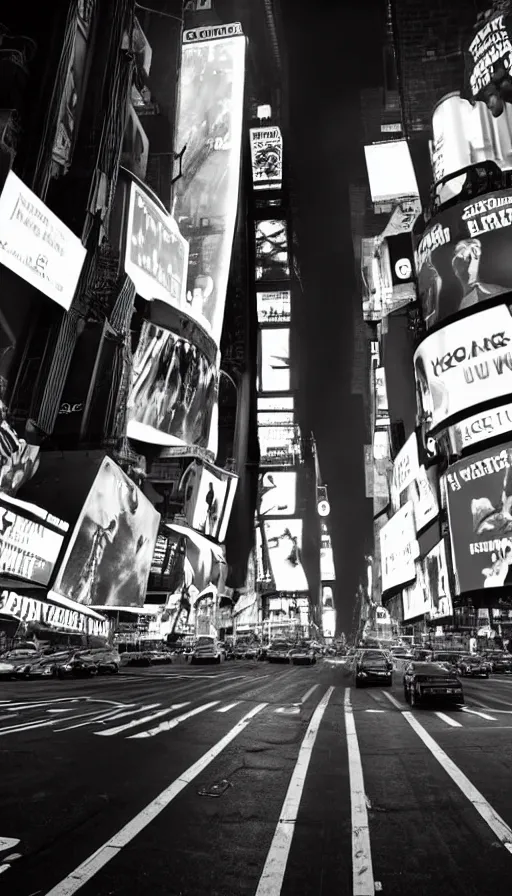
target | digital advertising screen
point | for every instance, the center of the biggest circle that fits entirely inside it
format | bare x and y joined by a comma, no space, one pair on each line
284,546
18,460
274,360
174,390
411,482
327,570
463,256
464,364
414,597
399,548
381,396
275,403
274,307
278,444
438,597
277,493
271,250
479,499
488,60
30,542
109,554
266,157
209,493
480,427
275,418
390,171
209,137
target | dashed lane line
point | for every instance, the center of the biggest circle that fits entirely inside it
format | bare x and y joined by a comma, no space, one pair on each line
448,720
363,882
173,723
475,712
135,723
228,707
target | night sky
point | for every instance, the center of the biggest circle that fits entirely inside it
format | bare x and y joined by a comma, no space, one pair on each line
333,53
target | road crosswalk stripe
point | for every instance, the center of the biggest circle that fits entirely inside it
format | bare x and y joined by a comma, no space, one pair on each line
173,723
135,723
228,707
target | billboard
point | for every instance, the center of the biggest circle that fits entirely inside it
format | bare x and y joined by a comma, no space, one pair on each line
381,460
277,493
275,418
390,171
438,598
276,403
399,548
208,144
464,364
327,571
19,461
274,307
209,493
284,547
414,596
156,255
380,396
174,390
36,245
274,360
411,482
30,542
463,256
266,158
108,557
406,466
271,250
279,444
488,60
479,427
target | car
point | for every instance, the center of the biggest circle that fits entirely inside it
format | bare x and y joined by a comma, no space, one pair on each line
246,650
372,666
76,665
500,661
107,659
431,682
46,665
207,649
473,666
262,653
278,652
302,655
15,663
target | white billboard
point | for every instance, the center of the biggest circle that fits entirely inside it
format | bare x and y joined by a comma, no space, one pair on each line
414,596
437,583
327,570
209,493
276,403
275,360
277,493
284,547
266,157
399,548
406,466
479,427
271,249
274,306
390,171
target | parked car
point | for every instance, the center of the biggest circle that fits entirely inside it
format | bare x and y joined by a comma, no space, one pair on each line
76,665
431,682
207,649
473,666
45,665
302,655
500,661
448,658
263,651
278,652
15,663
372,666
246,650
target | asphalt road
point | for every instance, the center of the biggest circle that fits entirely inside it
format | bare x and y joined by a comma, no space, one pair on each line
252,779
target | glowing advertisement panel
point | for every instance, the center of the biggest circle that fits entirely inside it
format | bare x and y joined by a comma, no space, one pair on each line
438,598
275,418
277,493
209,135
174,390
274,360
209,493
381,396
488,60
266,158
30,542
406,466
276,403
479,498
327,571
284,545
414,597
274,307
464,364
479,427
109,554
278,444
399,548
271,249
156,257
390,171
463,257
412,482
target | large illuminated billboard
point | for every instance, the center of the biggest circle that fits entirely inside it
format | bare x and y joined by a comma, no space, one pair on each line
271,250
390,171
438,598
488,60
266,157
274,307
174,390
463,256
208,143
480,427
414,597
466,363
399,548
479,499
278,444
209,493
276,403
277,492
284,548
327,571
412,482
274,360
30,542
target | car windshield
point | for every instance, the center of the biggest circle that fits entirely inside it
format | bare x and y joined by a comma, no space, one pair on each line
204,640
280,645
430,669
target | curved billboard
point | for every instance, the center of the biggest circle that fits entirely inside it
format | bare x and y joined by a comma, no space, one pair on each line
463,257
465,364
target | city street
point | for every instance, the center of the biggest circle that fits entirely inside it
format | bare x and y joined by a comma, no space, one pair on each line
251,779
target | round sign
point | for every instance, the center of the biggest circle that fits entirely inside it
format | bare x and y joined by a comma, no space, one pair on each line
403,269
323,508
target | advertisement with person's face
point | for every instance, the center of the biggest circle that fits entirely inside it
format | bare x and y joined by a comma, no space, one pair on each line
464,364
277,493
271,250
479,498
30,542
463,257
399,548
174,390
488,61
414,597
438,599
209,493
274,307
284,546
275,360
480,427
209,135
109,555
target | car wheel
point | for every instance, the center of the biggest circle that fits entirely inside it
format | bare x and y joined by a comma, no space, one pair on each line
406,695
413,699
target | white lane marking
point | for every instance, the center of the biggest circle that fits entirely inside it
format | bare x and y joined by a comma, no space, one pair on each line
363,883
228,707
136,722
375,710
110,716
172,723
482,715
497,825
292,710
95,862
307,695
394,701
45,723
448,720
273,873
